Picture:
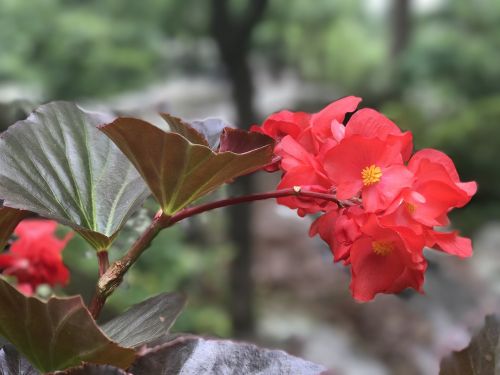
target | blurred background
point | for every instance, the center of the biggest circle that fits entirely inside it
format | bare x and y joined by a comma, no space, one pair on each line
432,66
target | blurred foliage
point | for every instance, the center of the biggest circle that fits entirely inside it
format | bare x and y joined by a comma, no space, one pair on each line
333,41
77,48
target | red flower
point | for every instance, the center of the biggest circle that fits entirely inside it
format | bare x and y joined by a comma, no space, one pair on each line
370,166
339,229
372,124
384,260
311,131
390,202
35,257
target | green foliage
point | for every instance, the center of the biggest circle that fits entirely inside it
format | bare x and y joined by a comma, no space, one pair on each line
332,41
78,50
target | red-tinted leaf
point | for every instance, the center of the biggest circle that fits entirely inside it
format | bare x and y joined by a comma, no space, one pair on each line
179,126
241,141
9,218
177,170
56,334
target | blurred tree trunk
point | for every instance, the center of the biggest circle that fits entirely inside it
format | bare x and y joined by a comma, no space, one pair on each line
232,35
401,26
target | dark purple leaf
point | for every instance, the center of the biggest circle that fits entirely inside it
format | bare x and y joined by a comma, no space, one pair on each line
56,334
12,363
89,369
145,322
481,357
199,356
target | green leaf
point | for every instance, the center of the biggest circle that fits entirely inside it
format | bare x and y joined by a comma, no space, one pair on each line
181,168
58,165
56,334
12,363
145,322
9,218
198,356
481,357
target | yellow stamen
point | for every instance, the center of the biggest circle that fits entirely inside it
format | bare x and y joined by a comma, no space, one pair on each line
382,247
410,208
371,175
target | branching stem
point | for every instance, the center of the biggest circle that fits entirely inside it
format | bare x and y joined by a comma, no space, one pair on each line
113,275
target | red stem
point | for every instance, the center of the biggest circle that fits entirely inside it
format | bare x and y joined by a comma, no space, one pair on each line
297,191
103,259
112,276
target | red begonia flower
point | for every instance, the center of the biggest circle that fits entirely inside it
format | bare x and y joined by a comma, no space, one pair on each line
309,130
372,124
387,210
292,155
35,257
327,124
339,229
383,261
439,158
449,242
283,123
370,166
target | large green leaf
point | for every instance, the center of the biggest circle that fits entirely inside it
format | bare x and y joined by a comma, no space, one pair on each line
56,334
180,166
9,218
58,165
199,356
145,322
481,357
13,363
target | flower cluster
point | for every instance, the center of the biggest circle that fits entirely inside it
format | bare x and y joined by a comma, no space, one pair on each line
35,257
390,201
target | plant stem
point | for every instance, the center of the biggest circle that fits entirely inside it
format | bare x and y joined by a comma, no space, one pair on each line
103,259
297,191
113,275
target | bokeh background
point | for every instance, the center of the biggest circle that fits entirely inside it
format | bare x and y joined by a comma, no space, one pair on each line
433,66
